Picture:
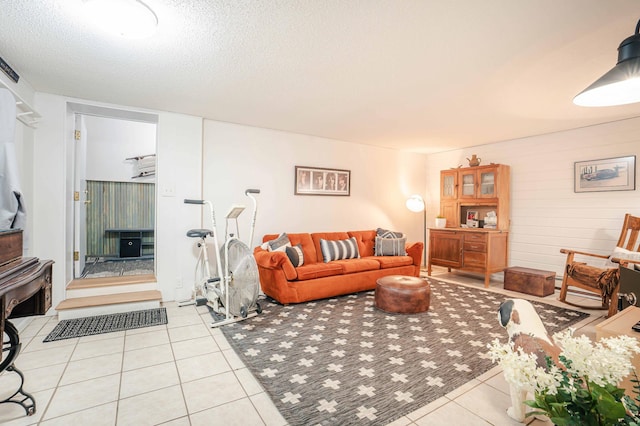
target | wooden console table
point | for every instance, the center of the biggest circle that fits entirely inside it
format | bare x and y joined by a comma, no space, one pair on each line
25,290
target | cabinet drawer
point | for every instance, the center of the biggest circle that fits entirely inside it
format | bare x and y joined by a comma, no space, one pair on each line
475,237
474,258
472,246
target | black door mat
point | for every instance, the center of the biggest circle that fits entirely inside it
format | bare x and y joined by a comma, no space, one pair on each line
78,327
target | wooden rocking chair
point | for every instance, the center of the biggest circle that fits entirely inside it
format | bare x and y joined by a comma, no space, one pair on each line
603,281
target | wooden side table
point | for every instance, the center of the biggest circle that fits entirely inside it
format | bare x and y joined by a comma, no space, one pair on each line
620,324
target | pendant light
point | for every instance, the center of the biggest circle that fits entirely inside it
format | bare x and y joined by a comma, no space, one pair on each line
621,85
127,18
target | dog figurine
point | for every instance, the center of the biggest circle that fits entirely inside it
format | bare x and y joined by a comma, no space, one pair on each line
526,331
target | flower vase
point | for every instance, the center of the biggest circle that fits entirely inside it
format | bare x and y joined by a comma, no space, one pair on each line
441,222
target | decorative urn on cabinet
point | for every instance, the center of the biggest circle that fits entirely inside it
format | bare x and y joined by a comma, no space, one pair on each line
474,161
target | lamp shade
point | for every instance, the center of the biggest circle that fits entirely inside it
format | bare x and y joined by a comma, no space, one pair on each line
415,203
128,18
621,85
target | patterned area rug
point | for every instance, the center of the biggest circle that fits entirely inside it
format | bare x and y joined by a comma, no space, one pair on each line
78,327
343,361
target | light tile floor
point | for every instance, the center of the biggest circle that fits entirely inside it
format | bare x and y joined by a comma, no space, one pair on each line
185,373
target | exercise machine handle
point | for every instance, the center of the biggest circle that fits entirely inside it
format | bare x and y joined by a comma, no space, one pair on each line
249,193
188,201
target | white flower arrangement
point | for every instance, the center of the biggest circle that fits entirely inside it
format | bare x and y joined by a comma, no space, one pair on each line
583,389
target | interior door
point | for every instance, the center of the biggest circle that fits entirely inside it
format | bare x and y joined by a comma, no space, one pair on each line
82,198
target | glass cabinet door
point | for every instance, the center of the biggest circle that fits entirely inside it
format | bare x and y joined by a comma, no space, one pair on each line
449,183
487,184
468,180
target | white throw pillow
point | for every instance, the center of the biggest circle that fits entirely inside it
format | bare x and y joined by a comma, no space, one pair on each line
280,244
622,253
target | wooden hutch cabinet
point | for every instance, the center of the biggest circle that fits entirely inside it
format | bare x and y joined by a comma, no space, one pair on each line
480,189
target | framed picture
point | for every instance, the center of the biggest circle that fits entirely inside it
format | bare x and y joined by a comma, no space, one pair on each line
320,181
609,174
472,218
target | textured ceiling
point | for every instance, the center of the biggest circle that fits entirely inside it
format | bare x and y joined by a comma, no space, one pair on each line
418,75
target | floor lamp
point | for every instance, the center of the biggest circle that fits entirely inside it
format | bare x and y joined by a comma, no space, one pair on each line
416,204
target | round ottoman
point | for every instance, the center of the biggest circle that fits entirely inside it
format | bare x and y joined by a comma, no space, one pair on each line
402,294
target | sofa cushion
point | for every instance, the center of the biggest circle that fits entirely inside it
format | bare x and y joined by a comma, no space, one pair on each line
366,241
390,246
392,261
280,243
350,266
339,249
318,270
295,255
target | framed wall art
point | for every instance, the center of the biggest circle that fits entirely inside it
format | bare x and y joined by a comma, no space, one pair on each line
608,174
321,181
472,218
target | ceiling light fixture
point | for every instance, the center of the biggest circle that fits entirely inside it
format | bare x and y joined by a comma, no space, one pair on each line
621,85
127,18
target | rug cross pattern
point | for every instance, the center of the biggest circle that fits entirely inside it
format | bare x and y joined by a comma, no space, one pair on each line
343,361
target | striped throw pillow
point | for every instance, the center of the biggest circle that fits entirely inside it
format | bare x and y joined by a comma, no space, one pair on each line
390,246
339,249
295,255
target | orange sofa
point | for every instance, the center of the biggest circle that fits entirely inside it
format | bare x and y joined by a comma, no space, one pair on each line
316,279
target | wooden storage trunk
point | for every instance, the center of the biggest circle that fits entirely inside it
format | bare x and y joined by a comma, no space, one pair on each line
10,245
529,281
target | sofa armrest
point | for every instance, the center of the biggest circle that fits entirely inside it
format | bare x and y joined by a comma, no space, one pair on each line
275,260
415,250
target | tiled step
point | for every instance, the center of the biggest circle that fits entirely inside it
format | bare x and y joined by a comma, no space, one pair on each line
110,281
110,285
108,304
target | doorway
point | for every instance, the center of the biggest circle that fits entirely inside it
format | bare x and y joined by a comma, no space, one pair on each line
114,193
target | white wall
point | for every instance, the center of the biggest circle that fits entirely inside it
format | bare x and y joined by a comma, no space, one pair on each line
179,176
546,213
239,157
111,141
52,202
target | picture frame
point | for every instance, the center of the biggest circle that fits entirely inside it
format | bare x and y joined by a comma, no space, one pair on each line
322,181
472,219
607,174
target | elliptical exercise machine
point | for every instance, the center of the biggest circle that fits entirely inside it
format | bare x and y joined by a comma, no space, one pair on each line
231,292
